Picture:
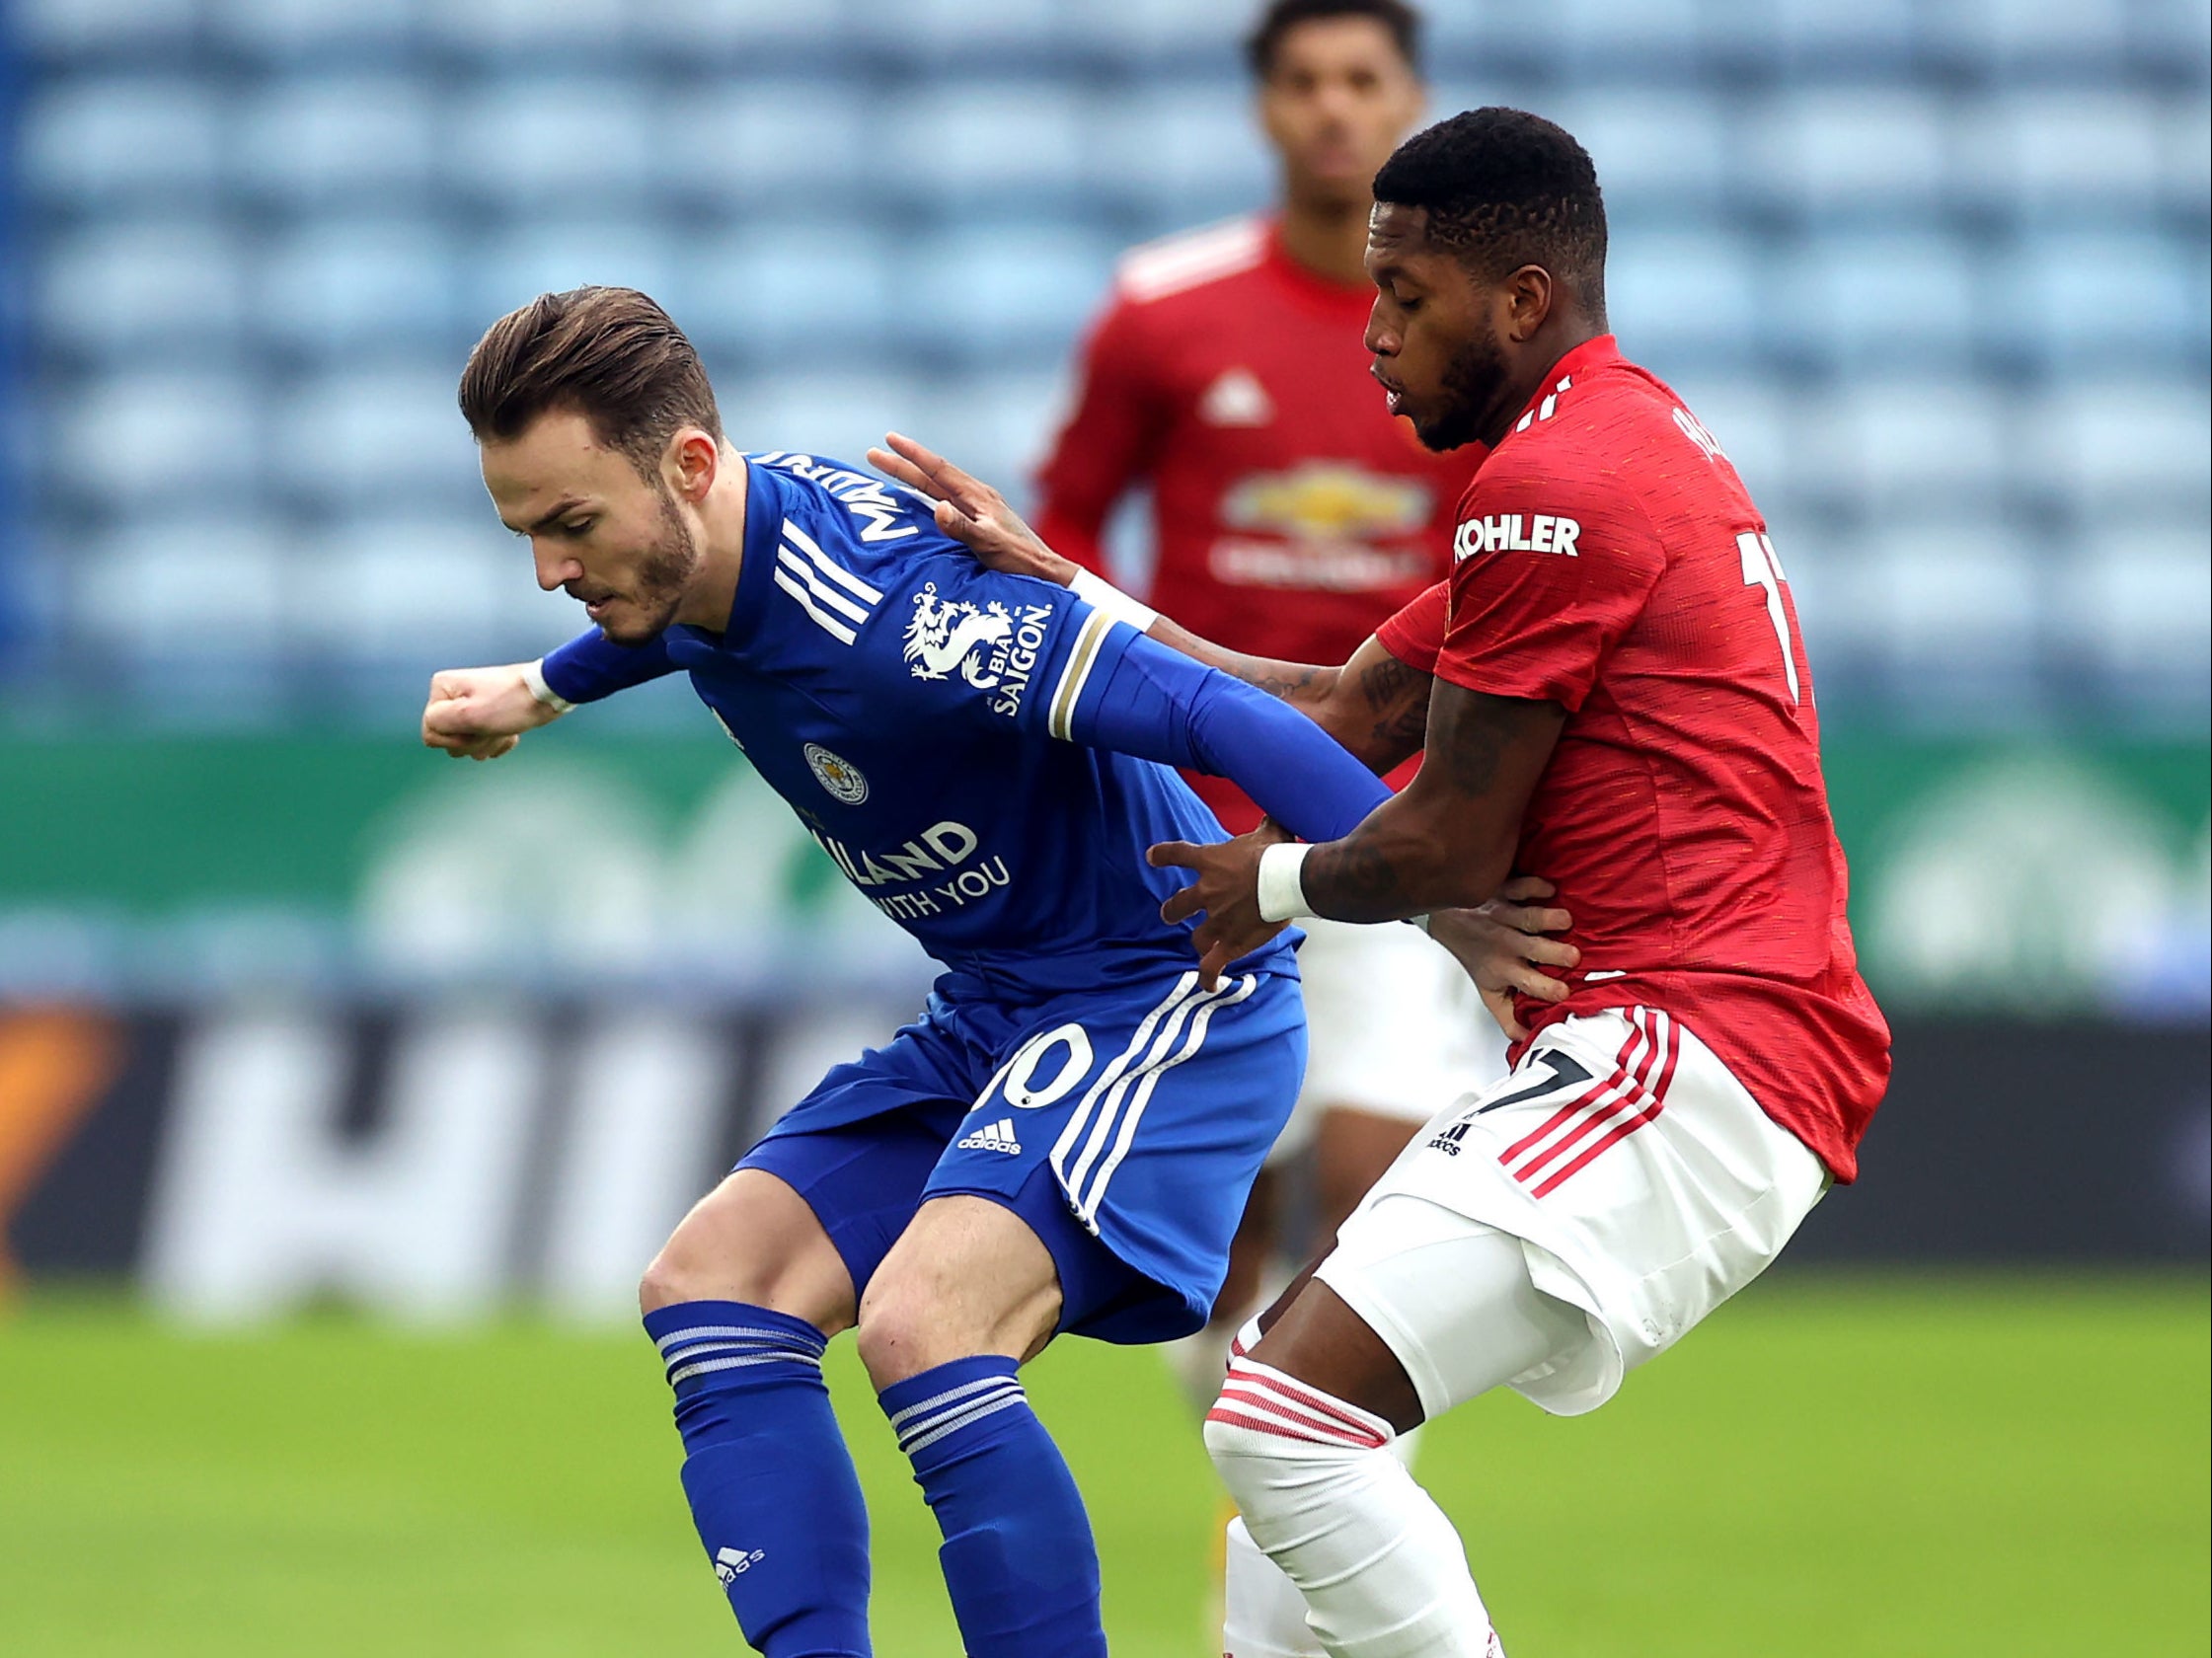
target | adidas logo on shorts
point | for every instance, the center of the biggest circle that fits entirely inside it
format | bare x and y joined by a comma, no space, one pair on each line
992,1137
1448,1142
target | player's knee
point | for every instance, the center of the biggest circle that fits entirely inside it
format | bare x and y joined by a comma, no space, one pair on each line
905,1330
1250,1460
1230,1442
1281,1445
667,1283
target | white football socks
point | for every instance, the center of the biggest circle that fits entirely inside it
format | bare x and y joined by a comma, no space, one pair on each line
1262,1614
1378,1564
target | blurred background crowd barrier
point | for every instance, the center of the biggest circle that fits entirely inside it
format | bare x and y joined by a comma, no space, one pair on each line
289,1006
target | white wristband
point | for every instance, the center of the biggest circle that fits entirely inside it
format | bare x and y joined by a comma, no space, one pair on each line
1282,896
533,675
1100,594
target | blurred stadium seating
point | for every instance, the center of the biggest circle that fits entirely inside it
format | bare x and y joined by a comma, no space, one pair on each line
1934,270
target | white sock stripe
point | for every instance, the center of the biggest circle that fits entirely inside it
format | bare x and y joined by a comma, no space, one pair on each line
741,1350
923,1429
901,1420
707,1367
920,1424
915,1423
747,1332
959,1419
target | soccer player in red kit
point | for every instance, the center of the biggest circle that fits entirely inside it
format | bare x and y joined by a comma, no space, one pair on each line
1621,700
1291,513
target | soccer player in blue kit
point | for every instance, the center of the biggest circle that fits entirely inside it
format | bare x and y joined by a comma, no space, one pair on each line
1063,1140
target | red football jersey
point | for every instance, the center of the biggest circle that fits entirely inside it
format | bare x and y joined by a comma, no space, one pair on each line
1291,512
1610,561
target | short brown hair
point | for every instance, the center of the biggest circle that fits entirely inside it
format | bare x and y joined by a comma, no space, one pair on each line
611,354
1281,17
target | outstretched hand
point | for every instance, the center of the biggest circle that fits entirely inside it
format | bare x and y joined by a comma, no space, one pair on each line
971,512
1227,890
1504,947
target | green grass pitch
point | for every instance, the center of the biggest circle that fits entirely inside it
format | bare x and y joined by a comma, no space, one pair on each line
1879,1467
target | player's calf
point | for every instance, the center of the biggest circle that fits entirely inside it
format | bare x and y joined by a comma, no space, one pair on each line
967,1292
1322,1495
740,1303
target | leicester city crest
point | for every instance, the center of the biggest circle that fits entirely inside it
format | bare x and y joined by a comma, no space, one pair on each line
840,777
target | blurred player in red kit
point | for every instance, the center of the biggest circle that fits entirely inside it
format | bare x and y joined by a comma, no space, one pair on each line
1618,697
1290,515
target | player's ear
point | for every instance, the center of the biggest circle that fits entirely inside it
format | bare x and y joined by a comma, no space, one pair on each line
691,462
1530,294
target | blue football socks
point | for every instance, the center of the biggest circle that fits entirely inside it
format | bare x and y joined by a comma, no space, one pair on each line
1018,1556
772,1486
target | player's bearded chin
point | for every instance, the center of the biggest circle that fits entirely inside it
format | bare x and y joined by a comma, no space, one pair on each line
1471,382
665,573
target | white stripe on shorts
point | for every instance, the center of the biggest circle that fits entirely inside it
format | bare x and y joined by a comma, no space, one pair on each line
1092,1123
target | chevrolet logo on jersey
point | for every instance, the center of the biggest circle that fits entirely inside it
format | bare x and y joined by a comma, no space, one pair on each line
1327,500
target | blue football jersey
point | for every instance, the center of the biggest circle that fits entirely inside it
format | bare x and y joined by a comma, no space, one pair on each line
928,720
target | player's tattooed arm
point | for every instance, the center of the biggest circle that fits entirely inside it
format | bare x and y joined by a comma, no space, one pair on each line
1390,721
1375,705
1448,840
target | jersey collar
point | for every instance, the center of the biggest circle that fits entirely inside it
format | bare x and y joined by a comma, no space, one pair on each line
1584,361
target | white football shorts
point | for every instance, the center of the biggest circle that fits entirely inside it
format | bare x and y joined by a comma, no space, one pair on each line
1641,1179
1394,1026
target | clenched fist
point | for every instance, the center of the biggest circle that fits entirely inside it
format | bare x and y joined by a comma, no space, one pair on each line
479,714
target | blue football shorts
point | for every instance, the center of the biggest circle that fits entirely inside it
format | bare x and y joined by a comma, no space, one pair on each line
1123,1124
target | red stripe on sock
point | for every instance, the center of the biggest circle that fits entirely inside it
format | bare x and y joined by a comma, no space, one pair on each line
1301,1393
1320,1431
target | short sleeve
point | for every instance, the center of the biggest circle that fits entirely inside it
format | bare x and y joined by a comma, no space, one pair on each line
1550,575
1415,634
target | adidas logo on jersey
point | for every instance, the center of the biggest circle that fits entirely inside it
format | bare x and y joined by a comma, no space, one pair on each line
1237,399
732,1563
993,1137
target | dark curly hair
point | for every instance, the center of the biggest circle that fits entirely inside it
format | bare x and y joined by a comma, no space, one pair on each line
1504,189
